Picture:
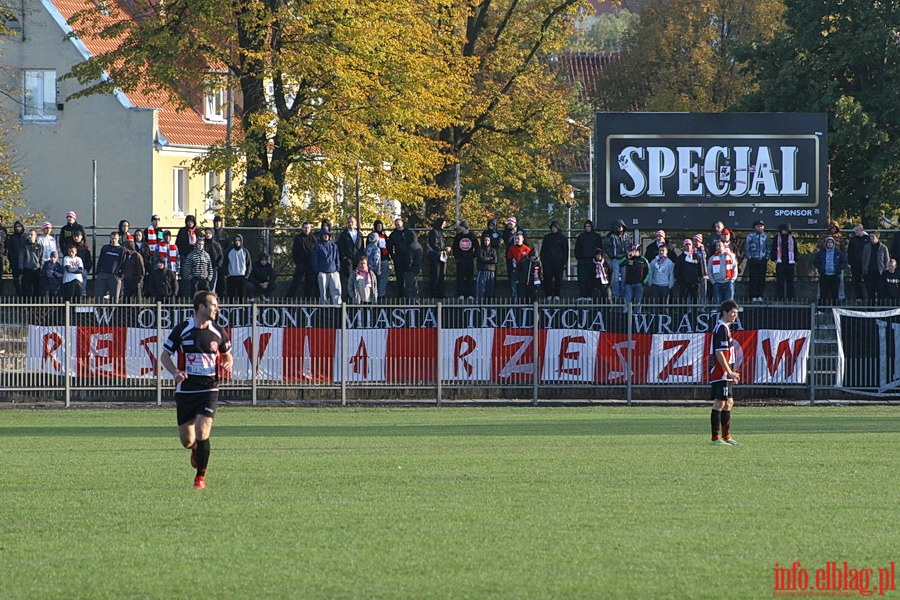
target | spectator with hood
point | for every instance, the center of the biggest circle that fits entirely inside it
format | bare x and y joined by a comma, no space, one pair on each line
830,262
239,266
494,233
585,245
465,247
438,251
303,283
326,260
187,236
133,271
262,277
399,245
162,285
554,255
15,248
617,246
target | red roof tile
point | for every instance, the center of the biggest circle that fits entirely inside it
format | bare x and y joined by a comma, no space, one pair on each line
179,126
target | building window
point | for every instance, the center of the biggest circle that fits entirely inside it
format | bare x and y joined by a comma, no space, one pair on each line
180,190
39,98
214,104
213,192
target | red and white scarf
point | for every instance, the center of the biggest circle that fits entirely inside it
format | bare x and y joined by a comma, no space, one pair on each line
779,249
152,242
170,253
600,271
729,264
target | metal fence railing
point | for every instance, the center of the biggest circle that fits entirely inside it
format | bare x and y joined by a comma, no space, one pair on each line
540,352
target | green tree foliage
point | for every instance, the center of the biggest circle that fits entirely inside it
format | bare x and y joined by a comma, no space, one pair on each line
514,106
324,87
605,32
842,57
680,55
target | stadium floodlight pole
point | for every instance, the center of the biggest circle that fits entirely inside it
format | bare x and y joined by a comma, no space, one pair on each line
574,123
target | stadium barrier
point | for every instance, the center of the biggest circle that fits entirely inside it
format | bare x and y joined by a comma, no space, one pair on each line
558,352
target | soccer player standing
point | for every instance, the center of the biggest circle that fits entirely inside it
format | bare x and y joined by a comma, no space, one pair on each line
722,373
204,348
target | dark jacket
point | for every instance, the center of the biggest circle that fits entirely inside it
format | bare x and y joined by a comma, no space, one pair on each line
530,271
52,276
110,259
262,273
855,248
616,245
187,236
688,273
436,241
67,235
301,249
133,268
15,247
636,270
486,258
349,250
399,245
554,249
32,256
879,262
161,283
840,261
469,240
325,257
587,241
216,254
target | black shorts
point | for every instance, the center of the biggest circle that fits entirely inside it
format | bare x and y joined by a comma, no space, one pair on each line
719,390
188,406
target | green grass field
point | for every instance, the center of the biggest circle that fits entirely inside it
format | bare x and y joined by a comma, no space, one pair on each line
443,503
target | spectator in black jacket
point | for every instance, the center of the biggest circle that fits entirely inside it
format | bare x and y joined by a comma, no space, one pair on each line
486,259
52,274
438,251
303,283
216,256
133,271
109,270
32,259
465,247
351,245
67,233
553,258
855,246
399,245
162,285
616,246
15,247
187,236
262,277
688,273
585,245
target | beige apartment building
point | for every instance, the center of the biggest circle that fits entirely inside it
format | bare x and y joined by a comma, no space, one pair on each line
121,156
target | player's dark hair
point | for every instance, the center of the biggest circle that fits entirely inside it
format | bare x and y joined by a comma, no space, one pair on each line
202,297
727,306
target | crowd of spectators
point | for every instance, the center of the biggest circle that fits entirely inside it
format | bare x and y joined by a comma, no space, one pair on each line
354,266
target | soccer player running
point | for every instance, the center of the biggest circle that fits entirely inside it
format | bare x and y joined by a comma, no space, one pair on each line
721,373
205,347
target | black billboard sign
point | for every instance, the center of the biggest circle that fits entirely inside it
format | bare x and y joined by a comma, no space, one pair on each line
685,170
